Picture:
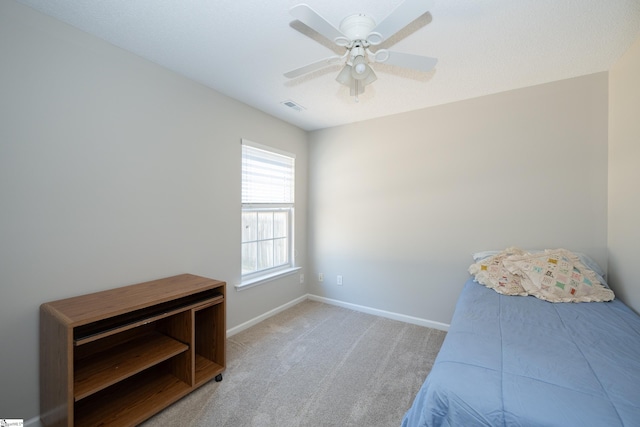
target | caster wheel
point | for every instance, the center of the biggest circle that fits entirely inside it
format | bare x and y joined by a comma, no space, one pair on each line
218,378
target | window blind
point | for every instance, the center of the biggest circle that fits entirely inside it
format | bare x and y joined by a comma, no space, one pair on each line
267,176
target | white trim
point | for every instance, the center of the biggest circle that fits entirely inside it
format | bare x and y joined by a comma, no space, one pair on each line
382,313
264,316
250,283
250,143
374,311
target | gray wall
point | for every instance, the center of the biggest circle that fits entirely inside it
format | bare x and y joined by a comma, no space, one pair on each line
624,176
115,171
399,204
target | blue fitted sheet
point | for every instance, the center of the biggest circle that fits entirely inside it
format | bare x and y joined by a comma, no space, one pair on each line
521,361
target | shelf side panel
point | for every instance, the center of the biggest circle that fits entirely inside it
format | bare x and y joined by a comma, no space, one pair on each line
56,393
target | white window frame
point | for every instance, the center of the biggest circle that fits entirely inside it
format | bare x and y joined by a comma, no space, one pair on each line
264,206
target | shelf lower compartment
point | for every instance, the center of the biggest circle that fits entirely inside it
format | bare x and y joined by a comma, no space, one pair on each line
131,401
103,370
206,370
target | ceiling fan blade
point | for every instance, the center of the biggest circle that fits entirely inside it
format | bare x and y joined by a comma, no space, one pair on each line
312,67
312,19
407,60
401,16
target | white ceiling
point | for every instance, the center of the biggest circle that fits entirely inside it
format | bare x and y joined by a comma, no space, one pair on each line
242,48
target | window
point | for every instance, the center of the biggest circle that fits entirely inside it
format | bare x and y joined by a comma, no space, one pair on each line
268,177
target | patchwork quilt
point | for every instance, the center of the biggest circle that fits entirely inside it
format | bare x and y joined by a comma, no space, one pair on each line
556,275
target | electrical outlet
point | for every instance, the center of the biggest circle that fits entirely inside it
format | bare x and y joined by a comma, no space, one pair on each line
339,280
301,279
320,277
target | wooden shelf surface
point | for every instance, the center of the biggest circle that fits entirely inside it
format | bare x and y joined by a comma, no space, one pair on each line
131,401
103,370
100,305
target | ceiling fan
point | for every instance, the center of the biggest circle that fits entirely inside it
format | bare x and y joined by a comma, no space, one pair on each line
358,34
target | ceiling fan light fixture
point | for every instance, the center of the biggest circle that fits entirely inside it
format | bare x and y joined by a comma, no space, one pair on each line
370,78
360,69
356,85
345,76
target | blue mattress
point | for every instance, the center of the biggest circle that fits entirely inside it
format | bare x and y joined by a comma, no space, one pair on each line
521,361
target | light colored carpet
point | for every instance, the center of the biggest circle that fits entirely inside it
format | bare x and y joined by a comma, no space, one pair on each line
314,365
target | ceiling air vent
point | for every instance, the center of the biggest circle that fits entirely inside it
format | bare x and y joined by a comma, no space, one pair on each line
292,105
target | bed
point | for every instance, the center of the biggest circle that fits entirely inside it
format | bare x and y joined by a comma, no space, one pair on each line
522,361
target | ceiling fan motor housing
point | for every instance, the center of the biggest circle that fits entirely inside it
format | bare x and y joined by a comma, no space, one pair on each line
357,27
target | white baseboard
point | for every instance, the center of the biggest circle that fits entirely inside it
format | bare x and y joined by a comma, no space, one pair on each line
383,313
376,312
264,316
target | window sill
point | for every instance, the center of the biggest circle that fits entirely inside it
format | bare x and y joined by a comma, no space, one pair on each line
250,283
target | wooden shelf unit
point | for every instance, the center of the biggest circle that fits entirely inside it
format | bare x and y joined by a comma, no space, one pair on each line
117,357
